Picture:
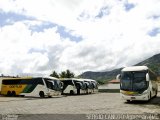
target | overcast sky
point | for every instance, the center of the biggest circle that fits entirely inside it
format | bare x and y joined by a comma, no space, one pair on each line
39,36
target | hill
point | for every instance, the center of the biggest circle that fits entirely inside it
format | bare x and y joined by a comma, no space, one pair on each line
153,63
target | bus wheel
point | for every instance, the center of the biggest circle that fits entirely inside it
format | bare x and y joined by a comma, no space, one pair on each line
41,94
13,93
9,93
128,101
71,92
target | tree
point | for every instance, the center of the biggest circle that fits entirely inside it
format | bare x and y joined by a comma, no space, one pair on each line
62,74
69,74
66,74
54,74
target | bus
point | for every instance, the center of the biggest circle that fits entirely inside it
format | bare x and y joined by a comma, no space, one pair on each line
31,86
4,77
1,78
137,83
73,86
95,85
92,86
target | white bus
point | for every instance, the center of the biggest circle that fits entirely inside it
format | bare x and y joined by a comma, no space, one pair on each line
73,86
137,83
92,86
31,86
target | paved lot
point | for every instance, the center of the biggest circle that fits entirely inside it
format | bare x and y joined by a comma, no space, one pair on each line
82,104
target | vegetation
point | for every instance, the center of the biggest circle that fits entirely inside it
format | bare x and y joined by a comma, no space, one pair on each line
155,68
63,74
101,77
54,74
101,82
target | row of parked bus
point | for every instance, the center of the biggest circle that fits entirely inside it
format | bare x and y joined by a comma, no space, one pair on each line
46,86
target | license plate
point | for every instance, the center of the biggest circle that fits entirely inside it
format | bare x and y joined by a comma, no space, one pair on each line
133,98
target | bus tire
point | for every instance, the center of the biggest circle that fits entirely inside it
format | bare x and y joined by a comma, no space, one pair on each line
13,94
41,94
71,92
9,93
128,101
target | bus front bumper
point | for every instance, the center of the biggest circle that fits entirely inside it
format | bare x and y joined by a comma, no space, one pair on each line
135,97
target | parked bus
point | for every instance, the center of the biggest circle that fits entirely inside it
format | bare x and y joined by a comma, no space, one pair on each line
92,85
31,86
4,77
95,85
137,83
1,78
73,86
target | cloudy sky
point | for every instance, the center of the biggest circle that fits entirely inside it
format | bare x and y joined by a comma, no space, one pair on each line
39,36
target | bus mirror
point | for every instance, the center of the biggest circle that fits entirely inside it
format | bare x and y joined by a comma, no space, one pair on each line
118,77
147,77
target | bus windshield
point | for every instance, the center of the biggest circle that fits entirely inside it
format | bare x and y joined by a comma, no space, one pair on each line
58,85
134,81
53,84
67,83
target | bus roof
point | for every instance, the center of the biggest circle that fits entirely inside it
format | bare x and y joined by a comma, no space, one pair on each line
135,68
49,77
17,78
30,78
63,79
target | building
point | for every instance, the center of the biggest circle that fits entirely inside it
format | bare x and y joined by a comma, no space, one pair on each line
114,81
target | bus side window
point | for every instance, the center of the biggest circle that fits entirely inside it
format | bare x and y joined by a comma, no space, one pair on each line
49,85
54,85
57,85
10,82
39,81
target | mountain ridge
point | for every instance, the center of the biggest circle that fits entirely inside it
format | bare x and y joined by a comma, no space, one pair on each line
153,63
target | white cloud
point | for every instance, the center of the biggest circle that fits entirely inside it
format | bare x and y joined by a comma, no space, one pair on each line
23,51
114,39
